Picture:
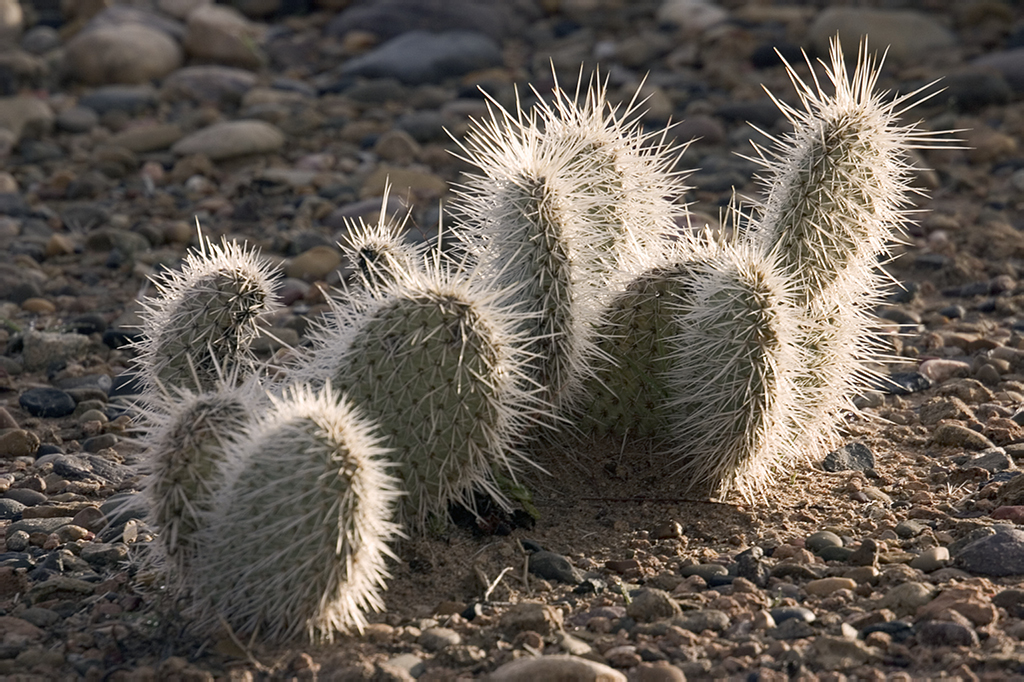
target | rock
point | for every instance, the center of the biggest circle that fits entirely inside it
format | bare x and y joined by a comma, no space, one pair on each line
704,619
148,138
397,146
750,565
997,555
691,15
221,34
402,667
18,443
25,116
437,639
10,509
26,496
826,586
220,85
650,604
43,350
783,613
942,408
970,391
180,9
313,265
816,542
558,667
908,34
77,119
940,370
992,460
839,653
660,671
122,54
907,597
130,99
47,402
903,383
941,633
1009,63
420,57
230,139
40,39
850,457
390,18
950,434
552,566
540,618
706,571
404,182
865,555
969,602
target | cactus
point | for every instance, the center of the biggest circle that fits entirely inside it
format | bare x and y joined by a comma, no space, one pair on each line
838,187
624,178
298,540
200,328
735,363
186,435
439,367
379,253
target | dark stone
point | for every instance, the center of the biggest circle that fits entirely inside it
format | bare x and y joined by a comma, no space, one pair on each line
38,151
47,402
10,510
90,323
766,55
86,466
48,449
1012,600
389,18
131,99
865,555
997,555
953,312
750,565
127,384
551,566
13,204
590,586
420,57
816,542
850,457
792,628
119,338
25,290
835,553
942,633
84,216
903,383
101,442
898,630
472,611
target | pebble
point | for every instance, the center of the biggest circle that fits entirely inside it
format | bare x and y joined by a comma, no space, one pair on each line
907,34
865,555
539,618
210,84
705,571
18,443
221,34
77,119
420,57
437,639
954,435
998,554
122,54
43,350
850,457
47,402
938,409
314,264
822,539
10,509
231,139
703,619
556,667
649,605
935,633
906,598
840,653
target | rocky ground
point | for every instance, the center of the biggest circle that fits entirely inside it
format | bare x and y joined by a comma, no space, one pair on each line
276,121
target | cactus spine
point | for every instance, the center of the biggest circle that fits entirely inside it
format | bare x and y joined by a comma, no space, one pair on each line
298,541
200,328
438,366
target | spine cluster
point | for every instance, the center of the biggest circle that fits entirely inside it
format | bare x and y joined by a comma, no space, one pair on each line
578,303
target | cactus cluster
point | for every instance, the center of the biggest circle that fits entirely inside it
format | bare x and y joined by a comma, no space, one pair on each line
582,302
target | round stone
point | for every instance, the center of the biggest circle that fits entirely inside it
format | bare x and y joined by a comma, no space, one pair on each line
47,402
822,539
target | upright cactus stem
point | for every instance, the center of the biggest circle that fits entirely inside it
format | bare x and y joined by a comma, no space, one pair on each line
439,367
200,327
379,253
838,190
186,436
298,540
734,365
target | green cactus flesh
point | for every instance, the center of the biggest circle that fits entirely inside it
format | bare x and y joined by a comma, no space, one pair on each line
427,367
629,392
